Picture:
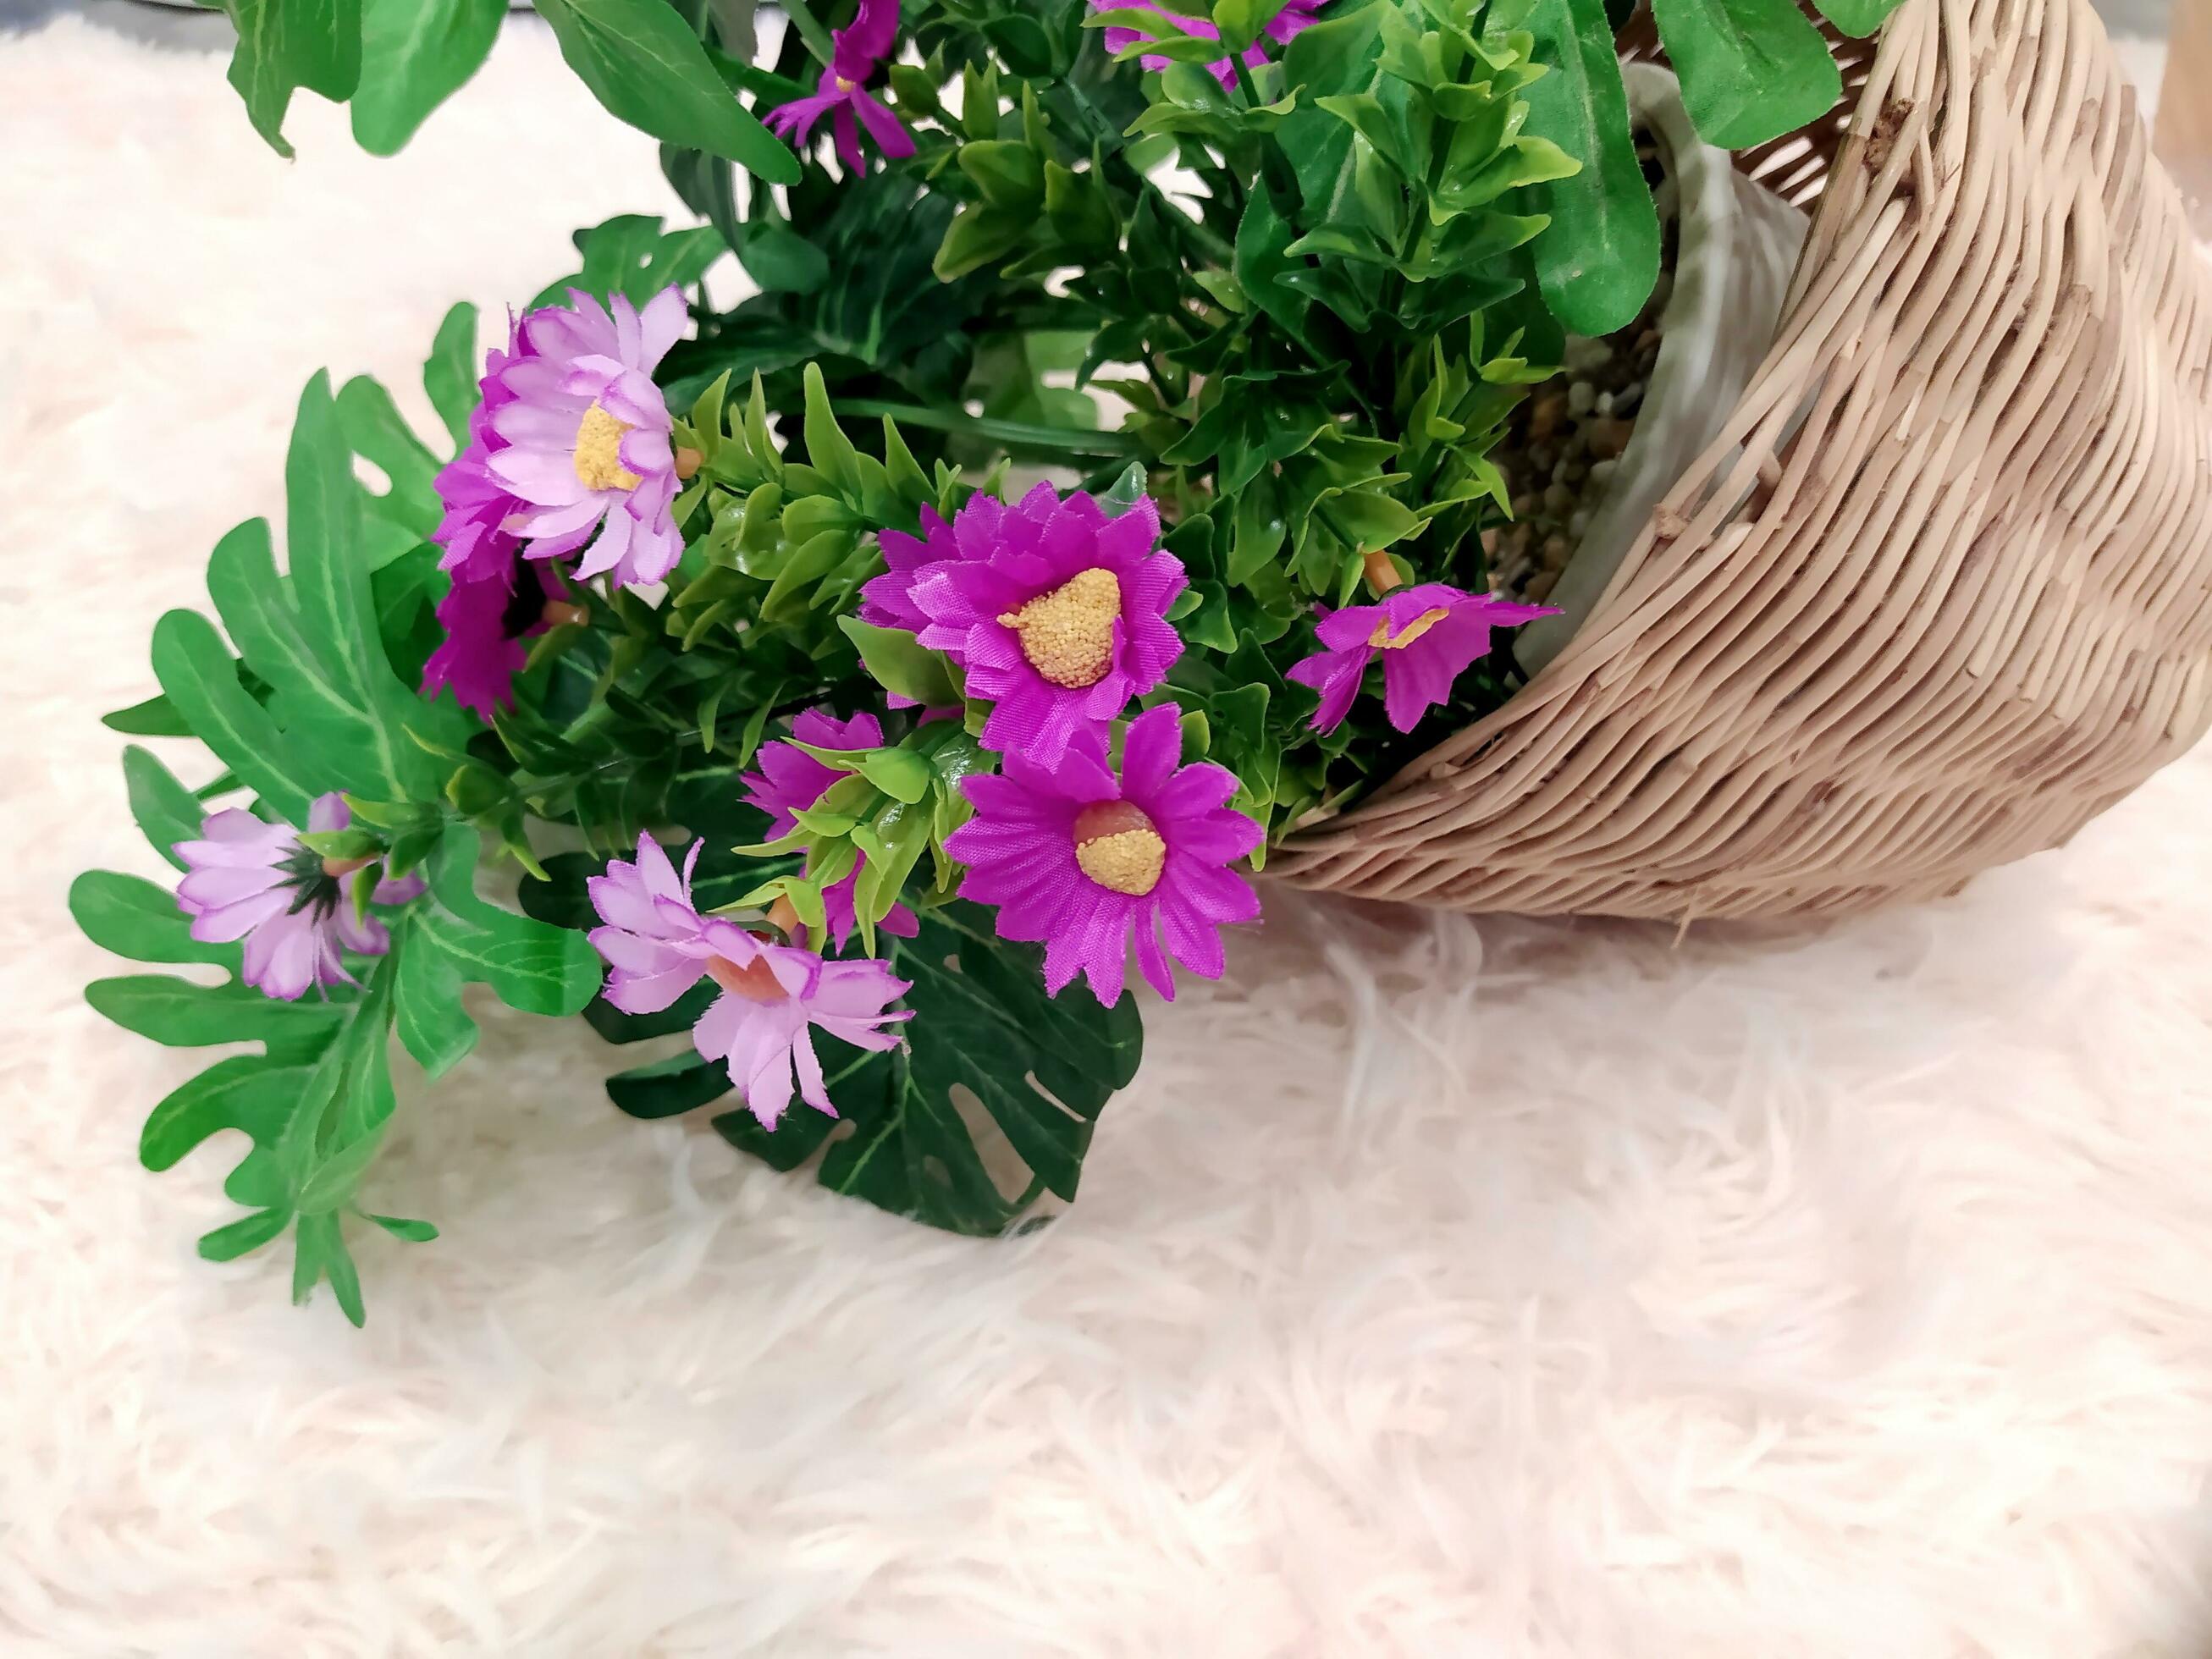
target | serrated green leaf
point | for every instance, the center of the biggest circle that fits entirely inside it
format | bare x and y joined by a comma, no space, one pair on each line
285,45
135,919
184,1015
198,677
449,375
164,810
645,65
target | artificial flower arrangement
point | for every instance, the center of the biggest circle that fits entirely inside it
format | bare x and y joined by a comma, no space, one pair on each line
807,729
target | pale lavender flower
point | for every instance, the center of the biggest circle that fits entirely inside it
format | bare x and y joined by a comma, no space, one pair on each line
657,946
587,437
250,880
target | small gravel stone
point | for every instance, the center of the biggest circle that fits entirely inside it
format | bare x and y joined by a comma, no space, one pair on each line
1627,400
1582,396
1600,473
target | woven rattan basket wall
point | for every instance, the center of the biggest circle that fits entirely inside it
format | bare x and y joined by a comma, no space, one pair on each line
1942,590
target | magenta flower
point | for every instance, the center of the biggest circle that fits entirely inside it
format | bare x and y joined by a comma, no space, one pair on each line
1427,635
486,621
790,780
585,435
1079,859
250,880
1295,18
657,946
841,94
1056,613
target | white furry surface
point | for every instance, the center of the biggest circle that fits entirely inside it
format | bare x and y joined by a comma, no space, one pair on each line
1441,1289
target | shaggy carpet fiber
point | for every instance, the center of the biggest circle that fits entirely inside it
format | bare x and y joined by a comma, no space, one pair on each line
1442,1288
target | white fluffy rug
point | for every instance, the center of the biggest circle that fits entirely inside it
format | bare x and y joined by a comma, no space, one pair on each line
1442,1288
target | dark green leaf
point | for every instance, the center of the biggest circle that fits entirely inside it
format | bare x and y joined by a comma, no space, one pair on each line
1040,1068
667,1087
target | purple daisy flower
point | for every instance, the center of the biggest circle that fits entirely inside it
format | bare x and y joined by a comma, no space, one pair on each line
486,621
842,95
1295,18
586,433
1056,613
1427,635
1078,859
250,880
657,946
473,534
790,780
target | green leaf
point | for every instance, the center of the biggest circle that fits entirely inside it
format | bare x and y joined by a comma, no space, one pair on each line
155,717
228,1243
781,261
247,1092
182,1015
454,936
283,44
200,678
373,426
163,809
898,662
644,63
134,917
1751,69
415,54
1857,18
1597,260
450,375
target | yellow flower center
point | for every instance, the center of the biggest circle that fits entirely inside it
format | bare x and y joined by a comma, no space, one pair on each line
1067,635
598,453
754,981
844,85
1117,846
1383,637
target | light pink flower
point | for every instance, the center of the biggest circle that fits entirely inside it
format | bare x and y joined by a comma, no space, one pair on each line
657,946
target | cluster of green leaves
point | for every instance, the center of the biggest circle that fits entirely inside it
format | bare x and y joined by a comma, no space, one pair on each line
395,61
311,704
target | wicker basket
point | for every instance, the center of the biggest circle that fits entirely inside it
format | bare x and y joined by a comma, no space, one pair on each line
1941,589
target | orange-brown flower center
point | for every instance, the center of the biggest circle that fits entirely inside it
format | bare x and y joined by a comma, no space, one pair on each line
1067,635
754,981
598,453
1385,639
1118,846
